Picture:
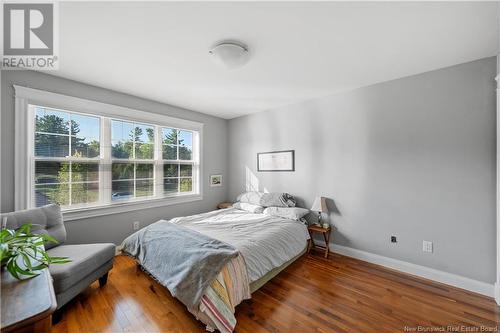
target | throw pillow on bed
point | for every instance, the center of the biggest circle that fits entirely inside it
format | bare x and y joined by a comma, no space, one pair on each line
292,213
253,198
249,207
267,199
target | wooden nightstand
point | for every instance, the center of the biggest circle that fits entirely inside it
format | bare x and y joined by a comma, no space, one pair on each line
224,205
326,235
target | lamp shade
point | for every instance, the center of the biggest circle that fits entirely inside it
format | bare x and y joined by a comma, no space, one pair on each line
319,205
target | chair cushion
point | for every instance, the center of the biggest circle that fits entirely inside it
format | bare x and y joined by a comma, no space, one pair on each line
85,258
47,220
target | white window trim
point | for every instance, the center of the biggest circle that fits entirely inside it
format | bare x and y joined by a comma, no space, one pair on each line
24,127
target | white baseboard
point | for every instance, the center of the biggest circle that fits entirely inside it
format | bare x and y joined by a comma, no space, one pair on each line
421,271
118,250
497,293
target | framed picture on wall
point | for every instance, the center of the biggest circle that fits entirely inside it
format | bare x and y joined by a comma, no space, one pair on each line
215,180
283,160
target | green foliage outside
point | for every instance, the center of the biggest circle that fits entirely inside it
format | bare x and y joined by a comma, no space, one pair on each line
48,144
186,185
143,150
58,145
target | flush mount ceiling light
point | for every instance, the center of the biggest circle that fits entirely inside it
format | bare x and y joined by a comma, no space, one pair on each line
230,55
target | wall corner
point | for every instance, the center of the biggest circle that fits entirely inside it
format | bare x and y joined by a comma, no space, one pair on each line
497,283
497,293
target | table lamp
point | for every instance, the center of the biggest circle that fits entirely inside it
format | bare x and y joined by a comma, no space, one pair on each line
319,206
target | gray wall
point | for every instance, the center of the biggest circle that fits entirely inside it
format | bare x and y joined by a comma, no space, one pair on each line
413,157
112,228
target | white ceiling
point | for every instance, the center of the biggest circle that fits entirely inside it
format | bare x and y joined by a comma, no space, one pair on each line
300,50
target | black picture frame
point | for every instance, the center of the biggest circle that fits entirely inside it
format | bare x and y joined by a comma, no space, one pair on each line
292,154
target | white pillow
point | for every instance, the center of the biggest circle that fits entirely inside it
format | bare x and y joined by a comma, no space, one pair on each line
273,199
253,198
292,213
249,207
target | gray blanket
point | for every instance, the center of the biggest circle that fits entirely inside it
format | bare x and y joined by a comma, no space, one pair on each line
181,259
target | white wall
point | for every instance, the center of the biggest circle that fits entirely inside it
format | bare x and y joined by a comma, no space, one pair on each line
413,157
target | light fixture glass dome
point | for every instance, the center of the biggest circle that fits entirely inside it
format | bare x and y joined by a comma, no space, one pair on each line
230,55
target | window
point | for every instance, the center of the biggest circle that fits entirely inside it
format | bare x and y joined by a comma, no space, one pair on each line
177,155
66,157
88,155
71,167
132,151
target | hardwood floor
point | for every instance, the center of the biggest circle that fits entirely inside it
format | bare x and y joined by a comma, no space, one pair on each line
314,294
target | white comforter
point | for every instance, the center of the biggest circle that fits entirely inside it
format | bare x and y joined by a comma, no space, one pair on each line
266,242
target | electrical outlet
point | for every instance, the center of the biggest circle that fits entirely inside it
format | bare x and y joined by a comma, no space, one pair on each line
394,239
427,246
136,225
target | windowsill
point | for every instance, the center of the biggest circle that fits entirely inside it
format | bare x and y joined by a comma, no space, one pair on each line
122,207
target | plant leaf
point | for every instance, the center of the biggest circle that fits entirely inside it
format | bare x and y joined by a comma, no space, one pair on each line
11,269
27,261
27,247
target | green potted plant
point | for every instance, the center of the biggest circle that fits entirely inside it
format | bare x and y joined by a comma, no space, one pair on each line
23,254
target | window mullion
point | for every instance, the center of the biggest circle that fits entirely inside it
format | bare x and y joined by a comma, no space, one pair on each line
30,166
158,163
105,176
135,179
196,170
69,138
134,161
178,178
178,164
70,194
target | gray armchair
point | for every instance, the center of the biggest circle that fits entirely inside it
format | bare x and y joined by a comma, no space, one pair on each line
89,262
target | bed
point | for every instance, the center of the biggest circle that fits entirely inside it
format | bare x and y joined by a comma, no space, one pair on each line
263,246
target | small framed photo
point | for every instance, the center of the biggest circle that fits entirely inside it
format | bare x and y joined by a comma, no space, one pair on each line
215,180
